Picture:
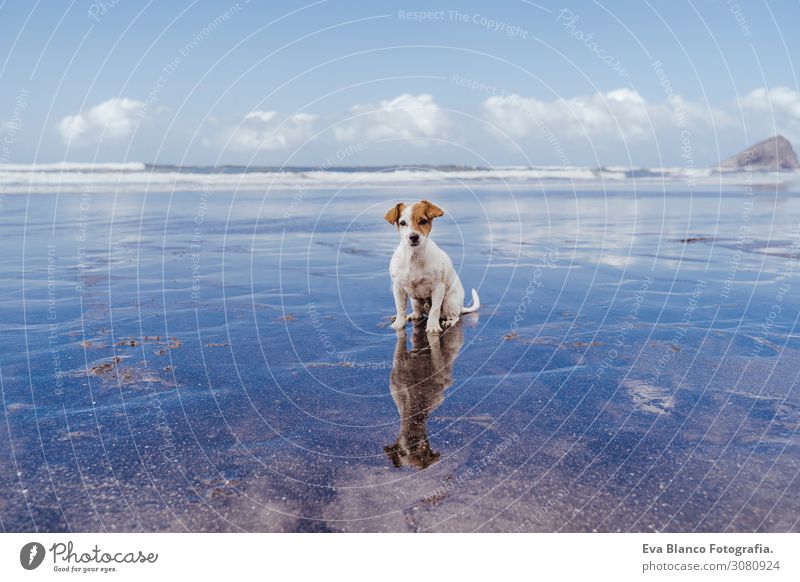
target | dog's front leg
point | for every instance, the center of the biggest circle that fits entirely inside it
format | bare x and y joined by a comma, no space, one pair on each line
418,306
437,296
400,304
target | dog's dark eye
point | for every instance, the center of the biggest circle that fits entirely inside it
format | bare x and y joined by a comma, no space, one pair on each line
402,223
423,221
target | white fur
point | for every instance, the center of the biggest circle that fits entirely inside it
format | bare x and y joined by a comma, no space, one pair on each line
425,274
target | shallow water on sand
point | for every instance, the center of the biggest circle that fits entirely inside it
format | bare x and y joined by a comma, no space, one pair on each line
215,362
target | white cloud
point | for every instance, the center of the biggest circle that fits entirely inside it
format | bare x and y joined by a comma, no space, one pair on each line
588,129
263,116
260,130
780,100
770,111
406,116
116,118
618,114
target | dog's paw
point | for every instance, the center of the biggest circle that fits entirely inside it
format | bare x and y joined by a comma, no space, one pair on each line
413,316
450,322
433,328
398,324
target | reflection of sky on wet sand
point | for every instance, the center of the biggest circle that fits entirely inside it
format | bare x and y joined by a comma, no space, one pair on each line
615,379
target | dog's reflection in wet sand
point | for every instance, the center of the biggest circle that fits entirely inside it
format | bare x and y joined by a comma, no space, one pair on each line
419,377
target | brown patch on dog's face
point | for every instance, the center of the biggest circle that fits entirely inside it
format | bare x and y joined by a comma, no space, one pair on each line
394,213
422,216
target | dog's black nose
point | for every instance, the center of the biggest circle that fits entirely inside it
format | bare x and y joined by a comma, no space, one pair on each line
413,237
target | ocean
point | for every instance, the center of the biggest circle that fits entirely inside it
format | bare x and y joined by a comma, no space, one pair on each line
138,176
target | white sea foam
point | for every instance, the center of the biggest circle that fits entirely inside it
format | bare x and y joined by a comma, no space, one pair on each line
137,177
75,167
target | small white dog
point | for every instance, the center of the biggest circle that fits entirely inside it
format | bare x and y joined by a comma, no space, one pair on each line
422,271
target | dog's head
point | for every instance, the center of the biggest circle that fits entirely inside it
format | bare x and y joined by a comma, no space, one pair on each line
414,222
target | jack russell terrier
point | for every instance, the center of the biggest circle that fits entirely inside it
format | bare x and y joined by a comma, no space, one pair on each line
422,271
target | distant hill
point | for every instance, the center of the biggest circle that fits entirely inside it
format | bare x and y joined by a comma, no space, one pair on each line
773,154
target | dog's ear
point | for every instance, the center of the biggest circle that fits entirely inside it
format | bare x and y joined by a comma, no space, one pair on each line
394,213
431,210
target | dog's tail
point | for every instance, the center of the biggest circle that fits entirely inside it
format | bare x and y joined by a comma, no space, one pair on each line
476,303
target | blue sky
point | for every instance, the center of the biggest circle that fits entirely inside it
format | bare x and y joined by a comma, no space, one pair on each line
298,83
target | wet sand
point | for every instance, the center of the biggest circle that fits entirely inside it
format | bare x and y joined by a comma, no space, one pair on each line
223,362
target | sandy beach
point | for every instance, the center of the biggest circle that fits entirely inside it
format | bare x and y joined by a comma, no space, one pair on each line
204,361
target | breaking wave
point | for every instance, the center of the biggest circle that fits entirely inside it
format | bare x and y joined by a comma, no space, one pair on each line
140,177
